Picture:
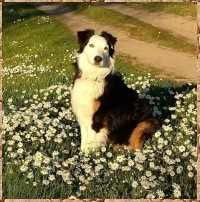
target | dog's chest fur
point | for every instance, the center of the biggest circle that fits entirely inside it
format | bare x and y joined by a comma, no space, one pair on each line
84,96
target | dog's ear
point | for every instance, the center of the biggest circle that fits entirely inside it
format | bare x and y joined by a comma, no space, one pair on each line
111,42
110,38
83,38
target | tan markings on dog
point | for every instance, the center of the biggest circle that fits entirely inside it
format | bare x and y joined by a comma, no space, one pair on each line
145,128
96,105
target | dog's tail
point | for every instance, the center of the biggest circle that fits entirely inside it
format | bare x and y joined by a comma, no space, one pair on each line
142,131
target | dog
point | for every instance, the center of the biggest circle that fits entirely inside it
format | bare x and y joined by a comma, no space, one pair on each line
106,109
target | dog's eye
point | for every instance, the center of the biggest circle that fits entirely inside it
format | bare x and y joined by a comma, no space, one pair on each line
106,48
91,45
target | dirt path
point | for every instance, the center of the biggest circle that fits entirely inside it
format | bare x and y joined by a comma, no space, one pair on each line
173,64
180,26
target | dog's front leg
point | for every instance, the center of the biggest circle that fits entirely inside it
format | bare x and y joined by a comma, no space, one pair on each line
90,140
97,123
97,139
98,119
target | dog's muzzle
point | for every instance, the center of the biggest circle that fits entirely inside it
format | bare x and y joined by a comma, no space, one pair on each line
97,60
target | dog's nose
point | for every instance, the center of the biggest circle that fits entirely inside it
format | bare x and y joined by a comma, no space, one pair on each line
97,59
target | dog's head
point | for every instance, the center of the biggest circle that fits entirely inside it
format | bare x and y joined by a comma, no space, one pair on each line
96,51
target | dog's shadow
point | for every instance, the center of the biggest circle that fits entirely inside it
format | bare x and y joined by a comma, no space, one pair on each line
165,95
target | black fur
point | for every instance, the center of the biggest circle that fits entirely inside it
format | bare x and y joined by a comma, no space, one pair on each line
83,38
77,70
120,110
111,42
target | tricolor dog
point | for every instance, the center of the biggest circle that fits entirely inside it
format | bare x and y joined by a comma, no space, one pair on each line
106,109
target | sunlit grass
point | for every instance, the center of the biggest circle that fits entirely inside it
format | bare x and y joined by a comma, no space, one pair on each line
176,8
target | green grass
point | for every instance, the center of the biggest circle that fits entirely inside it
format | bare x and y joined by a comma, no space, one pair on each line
48,43
138,29
28,42
180,9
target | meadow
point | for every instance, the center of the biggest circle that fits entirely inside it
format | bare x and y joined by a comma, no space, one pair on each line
41,138
183,9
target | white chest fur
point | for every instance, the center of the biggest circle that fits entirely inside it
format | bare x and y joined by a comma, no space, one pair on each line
83,95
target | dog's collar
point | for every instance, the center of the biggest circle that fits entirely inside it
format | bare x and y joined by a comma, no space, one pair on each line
100,79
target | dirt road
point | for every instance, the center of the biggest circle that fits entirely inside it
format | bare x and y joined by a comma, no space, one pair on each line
179,26
177,65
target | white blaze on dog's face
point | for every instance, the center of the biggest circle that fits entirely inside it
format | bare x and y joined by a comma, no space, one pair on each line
97,51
